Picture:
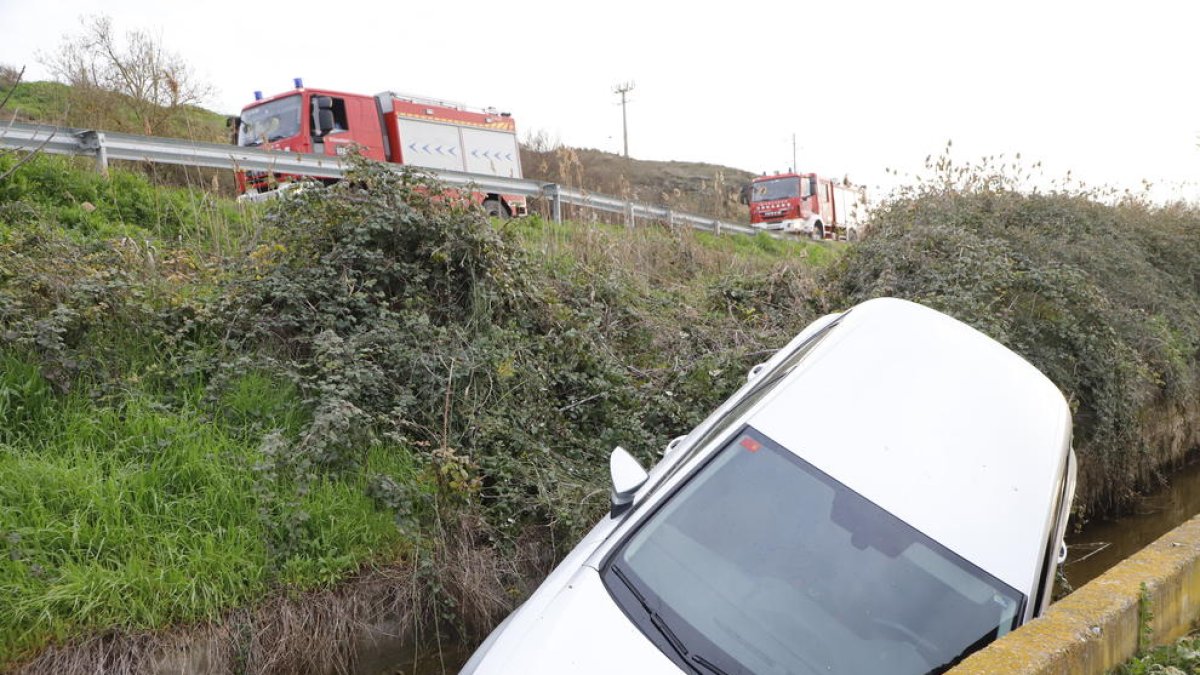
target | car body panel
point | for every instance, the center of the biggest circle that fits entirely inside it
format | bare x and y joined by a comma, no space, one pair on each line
581,631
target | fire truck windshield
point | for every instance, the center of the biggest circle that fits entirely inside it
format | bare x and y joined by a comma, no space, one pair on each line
778,188
270,121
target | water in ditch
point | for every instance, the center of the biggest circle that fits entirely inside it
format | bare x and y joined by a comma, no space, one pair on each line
1101,544
446,662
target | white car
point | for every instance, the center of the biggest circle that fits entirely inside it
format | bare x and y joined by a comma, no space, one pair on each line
888,493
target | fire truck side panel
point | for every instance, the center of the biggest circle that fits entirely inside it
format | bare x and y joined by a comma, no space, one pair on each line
364,123
430,144
825,202
847,206
494,153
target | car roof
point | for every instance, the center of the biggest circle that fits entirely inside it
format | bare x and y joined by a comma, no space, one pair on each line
936,423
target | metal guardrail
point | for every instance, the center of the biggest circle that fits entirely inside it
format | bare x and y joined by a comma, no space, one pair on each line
104,145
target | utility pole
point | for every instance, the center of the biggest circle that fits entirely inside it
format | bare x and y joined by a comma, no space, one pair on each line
623,89
794,169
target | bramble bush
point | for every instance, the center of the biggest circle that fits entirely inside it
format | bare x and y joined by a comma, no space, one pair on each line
409,321
1102,297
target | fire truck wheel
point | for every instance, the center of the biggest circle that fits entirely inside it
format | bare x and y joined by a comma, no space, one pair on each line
494,209
818,231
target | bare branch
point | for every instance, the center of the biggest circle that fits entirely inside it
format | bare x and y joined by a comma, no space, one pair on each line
115,79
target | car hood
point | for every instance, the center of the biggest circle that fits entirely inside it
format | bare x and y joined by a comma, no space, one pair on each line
580,631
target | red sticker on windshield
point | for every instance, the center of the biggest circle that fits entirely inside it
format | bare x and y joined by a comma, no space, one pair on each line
750,444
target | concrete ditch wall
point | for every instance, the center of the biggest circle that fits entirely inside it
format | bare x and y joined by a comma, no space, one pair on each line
1099,626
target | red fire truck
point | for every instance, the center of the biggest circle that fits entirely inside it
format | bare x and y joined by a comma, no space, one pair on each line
387,127
805,203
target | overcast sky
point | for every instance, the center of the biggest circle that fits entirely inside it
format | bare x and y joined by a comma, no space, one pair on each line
1107,90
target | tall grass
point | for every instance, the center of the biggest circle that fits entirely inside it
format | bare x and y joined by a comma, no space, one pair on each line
658,255
65,193
142,512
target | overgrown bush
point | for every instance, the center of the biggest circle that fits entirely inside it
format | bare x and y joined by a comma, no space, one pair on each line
1103,298
408,319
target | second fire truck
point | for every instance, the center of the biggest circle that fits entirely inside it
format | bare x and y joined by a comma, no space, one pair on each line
806,204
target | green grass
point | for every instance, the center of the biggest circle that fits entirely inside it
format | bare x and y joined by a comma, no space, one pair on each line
707,252
64,193
764,246
139,514
51,103
40,101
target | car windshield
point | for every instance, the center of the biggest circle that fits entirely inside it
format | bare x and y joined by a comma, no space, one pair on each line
778,188
270,122
762,563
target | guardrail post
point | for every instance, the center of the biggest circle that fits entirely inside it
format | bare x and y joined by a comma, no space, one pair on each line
629,215
94,141
555,202
717,226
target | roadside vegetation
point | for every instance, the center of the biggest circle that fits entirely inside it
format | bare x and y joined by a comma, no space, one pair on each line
1180,658
125,81
1099,290
368,401
204,407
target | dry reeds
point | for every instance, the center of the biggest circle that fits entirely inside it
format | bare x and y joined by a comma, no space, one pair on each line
387,616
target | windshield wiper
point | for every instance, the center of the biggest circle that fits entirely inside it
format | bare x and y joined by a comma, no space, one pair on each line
707,664
658,622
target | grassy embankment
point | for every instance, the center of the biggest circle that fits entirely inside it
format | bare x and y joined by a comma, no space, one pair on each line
57,103
202,407
694,187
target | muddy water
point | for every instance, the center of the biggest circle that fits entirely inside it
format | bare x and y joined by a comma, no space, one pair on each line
1102,544
446,662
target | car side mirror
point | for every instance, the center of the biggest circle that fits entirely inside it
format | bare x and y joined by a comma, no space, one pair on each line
627,477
